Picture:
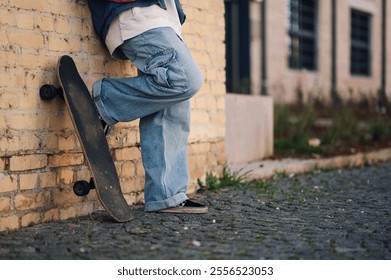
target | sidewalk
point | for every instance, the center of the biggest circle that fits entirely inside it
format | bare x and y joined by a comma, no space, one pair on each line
339,214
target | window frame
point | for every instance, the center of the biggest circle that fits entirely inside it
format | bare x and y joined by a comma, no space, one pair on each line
357,45
299,38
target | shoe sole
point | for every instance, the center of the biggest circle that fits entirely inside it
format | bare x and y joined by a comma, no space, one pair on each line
185,210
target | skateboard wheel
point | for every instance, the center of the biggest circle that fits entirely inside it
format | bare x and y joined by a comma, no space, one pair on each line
48,92
81,188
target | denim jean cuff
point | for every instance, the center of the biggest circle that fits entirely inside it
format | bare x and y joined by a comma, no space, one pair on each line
167,203
96,96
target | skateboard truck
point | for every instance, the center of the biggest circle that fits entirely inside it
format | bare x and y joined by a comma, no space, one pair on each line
82,187
49,92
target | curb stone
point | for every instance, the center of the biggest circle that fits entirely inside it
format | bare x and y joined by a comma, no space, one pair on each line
268,168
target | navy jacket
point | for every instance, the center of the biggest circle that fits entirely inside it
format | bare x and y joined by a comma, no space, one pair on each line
104,12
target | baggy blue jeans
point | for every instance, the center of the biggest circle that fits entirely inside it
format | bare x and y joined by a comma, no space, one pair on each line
159,96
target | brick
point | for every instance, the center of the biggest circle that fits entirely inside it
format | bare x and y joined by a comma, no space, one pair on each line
3,37
18,38
70,9
9,144
46,62
7,58
132,198
45,23
28,142
97,63
65,177
221,106
29,5
66,160
28,201
2,164
49,142
66,196
140,171
200,117
33,81
25,21
128,170
58,44
47,179
5,204
27,121
30,219
77,23
62,25
66,143
7,78
92,46
31,100
82,173
9,223
76,211
132,185
16,78
27,60
132,153
74,44
7,17
123,136
28,162
8,183
60,122
68,213
199,148
28,181
51,215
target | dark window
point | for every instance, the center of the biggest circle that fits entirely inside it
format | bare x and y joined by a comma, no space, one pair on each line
302,22
237,45
360,46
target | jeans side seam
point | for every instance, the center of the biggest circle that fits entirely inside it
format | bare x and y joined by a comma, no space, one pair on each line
164,153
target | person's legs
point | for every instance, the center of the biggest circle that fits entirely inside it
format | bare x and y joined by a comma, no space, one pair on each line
160,98
164,137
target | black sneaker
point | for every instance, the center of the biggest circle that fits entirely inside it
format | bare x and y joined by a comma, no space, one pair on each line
187,207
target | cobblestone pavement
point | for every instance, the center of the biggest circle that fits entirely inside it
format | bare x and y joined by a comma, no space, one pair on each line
341,214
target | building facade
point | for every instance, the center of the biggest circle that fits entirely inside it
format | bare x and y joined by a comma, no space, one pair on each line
309,49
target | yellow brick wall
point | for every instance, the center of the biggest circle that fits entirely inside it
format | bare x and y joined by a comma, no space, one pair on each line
40,156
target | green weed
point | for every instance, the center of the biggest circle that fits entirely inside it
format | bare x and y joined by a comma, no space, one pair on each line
227,179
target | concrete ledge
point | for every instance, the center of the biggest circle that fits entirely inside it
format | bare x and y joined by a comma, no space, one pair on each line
268,168
249,128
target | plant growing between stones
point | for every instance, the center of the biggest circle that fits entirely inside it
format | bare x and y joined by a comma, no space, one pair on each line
227,179
235,179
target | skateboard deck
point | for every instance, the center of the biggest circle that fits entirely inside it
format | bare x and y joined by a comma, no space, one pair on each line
93,140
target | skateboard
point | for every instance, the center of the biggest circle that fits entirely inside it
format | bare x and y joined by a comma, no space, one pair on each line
92,139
